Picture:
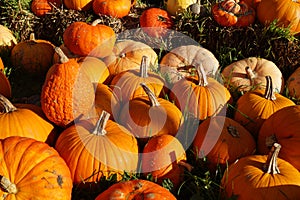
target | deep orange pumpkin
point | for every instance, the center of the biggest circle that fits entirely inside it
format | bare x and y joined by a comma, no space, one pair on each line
5,87
41,7
80,5
113,8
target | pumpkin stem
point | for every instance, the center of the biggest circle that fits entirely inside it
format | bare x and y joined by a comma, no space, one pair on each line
6,104
233,131
101,123
96,21
144,67
269,92
202,75
62,56
151,95
250,74
271,166
8,186
32,36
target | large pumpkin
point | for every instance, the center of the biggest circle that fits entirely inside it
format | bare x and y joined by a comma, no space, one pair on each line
286,12
112,8
30,169
136,189
86,39
262,177
97,148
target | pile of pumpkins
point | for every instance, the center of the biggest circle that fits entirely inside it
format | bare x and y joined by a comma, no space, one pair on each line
111,106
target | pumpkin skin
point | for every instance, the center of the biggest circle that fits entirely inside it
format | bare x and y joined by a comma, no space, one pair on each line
252,3
282,127
293,84
222,141
93,39
67,92
156,22
41,7
258,105
161,158
25,120
175,7
233,13
93,150
35,169
249,73
286,12
5,87
181,62
261,177
1,65
136,189
80,5
113,8
7,40
127,54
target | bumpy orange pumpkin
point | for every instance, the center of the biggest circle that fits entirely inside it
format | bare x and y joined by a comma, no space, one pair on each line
30,169
41,7
86,39
293,84
136,189
5,87
67,92
113,8
262,177
96,148
233,13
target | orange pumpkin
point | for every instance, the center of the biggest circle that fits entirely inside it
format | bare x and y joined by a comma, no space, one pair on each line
136,189
113,8
262,177
86,39
67,92
1,65
97,148
80,5
31,169
5,87
41,7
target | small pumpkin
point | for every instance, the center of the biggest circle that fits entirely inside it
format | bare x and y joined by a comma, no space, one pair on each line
7,40
156,22
113,8
86,39
97,148
80,5
41,7
136,189
293,84
263,176
5,87
233,13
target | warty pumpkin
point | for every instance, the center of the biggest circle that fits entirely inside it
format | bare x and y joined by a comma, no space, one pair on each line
5,87
262,177
112,8
30,169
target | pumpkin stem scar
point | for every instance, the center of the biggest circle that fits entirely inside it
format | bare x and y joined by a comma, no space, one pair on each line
8,186
233,131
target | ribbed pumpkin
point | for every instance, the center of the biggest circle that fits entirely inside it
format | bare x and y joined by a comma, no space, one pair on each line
203,98
255,106
67,92
136,189
34,56
86,39
41,7
96,148
126,85
7,40
5,87
161,158
262,177
282,127
80,5
113,8
222,141
127,54
293,84
30,169
25,120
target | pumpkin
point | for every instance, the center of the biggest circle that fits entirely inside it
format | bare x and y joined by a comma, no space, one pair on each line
156,22
249,73
41,7
32,169
181,62
97,148
293,84
67,52
254,107
5,87
252,3
113,8
67,92
33,56
80,5
86,39
285,12
161,158
1,65
147,116
282,127
233,13
126,85
25,120
262,177
7,40
222,140
127,54
175,7
203,98
136,189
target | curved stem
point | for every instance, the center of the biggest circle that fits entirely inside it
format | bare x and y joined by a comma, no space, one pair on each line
8,186
96,21
151,95
32,36
202,75
101,124
269,92
6,104
144,67
271,166
62,56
